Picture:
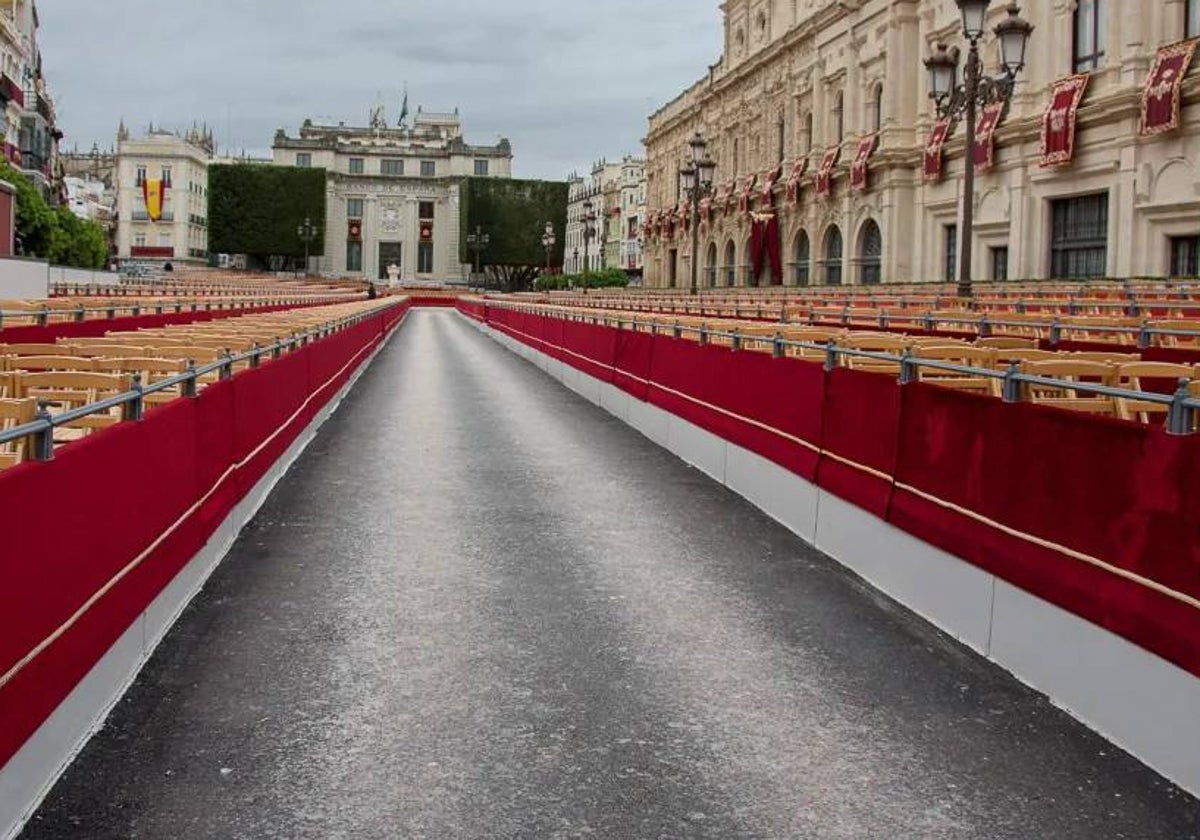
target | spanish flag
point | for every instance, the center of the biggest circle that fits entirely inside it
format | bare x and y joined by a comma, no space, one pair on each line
154,190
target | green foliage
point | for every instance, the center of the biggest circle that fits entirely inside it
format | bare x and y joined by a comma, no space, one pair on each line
513,213
254,209
54,233
77,242
607,278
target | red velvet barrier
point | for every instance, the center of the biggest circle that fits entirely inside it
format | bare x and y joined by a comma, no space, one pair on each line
1095,515
87,516
590,348
860,423
632,358
1124,494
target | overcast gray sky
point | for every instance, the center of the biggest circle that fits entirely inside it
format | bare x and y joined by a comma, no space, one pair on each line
567,81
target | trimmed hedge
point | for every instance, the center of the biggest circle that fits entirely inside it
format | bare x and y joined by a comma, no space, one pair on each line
254,209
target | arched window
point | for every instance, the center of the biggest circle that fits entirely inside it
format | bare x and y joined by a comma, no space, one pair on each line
782,127
710,265
808,133
803,256
870,253
833,256
839,117
875,117
730,266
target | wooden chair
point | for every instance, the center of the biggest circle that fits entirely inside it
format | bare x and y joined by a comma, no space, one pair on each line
1004,358
31,350
73,389
1107,358
874,343
1007,342
97,351
44,363
965,355
1064,396
1132,375
15,413
151,371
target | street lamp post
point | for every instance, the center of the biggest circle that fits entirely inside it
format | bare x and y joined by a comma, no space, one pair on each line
548,242
307,232
954,100
589,231
697,181
478,242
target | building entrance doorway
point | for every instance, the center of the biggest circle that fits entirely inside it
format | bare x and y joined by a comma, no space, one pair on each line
390,253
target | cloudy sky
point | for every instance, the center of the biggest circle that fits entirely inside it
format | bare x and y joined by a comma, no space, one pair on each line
568,81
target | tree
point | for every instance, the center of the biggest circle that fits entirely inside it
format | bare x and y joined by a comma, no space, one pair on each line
54,233
254,209
513,213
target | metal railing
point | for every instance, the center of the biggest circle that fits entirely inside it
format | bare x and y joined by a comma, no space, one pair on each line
40,431
1181,406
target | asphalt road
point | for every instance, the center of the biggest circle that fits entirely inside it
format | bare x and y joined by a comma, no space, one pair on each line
479,607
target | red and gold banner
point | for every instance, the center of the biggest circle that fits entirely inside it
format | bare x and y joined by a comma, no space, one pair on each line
799,167
985,135
154,191
1160,98
725,200
766,192
747,193
825,173
1058,124
858,167
934,150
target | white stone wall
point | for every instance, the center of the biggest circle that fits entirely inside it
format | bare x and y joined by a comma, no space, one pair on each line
186,200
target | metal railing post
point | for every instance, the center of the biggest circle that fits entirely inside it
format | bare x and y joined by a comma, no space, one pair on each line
255,359
135,408
188,387
80,313
677,331
1180,416
777,346
703,334
227,365
908,370
42,446
735,341
1011,391
1145,339
831,355
1055,331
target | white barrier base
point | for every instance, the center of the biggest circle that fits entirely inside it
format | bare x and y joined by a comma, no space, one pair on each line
31,773
1137,700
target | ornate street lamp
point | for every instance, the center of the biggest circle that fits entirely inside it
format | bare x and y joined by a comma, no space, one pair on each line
548,242
954,100
307,233
477,243
589,231
696,178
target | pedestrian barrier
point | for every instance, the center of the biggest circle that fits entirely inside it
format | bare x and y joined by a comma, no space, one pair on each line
106,543
1092,514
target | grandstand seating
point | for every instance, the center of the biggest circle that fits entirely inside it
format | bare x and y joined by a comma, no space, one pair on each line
76,372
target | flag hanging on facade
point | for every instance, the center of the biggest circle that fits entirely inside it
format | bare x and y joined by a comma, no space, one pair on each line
985,135
934,149
154,192
858,167
1160,98
1058,124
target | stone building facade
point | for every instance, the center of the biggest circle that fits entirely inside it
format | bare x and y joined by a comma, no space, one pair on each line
617,191
179,161
804,83
393,192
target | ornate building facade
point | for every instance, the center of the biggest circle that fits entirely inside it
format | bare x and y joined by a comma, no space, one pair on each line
617,192
393,193
830,169
162,195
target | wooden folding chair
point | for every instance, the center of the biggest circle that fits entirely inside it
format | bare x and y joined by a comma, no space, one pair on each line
15,413
1007,342
1072,371
32,350
73,389
965,355
151,371
31,364
873,343
1132,375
